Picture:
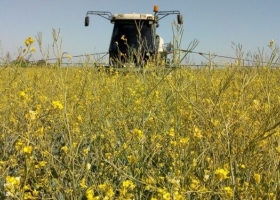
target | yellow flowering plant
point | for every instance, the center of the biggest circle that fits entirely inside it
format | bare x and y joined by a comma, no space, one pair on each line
83,133
25,53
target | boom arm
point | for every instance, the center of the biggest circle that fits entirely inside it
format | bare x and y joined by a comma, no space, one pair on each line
165,13
104,14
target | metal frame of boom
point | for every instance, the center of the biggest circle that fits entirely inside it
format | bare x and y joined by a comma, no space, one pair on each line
166,13
101,14
108,15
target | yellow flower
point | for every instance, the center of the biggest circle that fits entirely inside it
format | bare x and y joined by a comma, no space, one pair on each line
80,118
171,132
42,163
27,187
222,173
166,195
228,191
85,151
124,146
194,184
83,183
123,38
13,180
57,105
242,166
69,56
90,195
102,187
27,149
29,41
22,94
11,185
208,159
138,133
18,145
2,163
256,104
206,175
26,42
88,166
40,131
270,194
128,184
32,49
184,140
257,178
197,132
65,149
131,159
31,115
178,196
35,193
215,122
137,102
278,149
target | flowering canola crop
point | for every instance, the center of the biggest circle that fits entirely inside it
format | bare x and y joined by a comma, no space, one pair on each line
76,133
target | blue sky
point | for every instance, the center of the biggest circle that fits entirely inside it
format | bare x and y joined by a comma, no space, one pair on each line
216,24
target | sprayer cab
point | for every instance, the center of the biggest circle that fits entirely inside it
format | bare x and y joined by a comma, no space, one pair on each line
134,35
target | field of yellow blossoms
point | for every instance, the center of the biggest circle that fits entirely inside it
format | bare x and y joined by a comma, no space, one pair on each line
171,134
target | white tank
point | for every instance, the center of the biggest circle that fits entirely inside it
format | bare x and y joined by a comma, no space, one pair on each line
160,44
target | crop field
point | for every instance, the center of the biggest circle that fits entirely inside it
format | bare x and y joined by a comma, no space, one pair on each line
84,133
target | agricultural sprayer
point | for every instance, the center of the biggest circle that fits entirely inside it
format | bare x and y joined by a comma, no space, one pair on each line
134,39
